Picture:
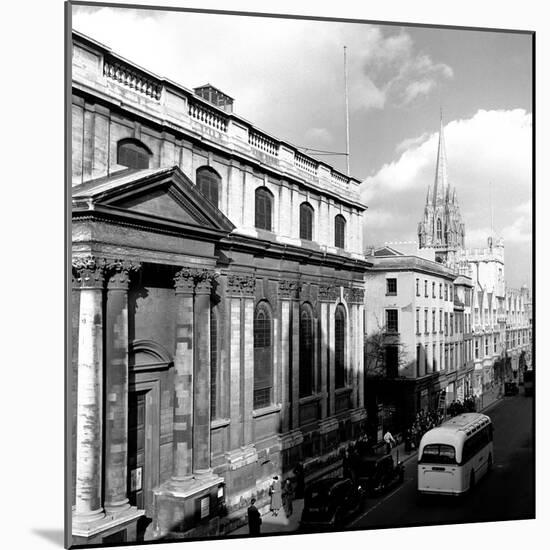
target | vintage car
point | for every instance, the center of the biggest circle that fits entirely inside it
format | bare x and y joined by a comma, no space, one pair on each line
511,388
328,503
377,473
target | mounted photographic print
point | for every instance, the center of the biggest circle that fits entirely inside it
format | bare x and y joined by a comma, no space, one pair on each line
301,275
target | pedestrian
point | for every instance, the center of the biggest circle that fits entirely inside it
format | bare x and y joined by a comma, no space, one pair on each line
275,493
254,518
288,497
389,441
299,476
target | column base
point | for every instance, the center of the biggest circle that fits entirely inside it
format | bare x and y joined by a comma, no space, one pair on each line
183,504
120,527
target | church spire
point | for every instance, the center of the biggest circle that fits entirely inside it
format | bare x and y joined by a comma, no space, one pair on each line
441,227
441,182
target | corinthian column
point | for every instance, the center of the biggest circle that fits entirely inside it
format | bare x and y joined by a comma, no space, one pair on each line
183,377
116,386
89,280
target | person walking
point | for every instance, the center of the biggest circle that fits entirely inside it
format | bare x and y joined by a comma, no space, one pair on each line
275,493
254,518
288,497
389,441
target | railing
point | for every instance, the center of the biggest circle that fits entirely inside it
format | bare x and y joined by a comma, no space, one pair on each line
131,78
264,143
338,179
304,163
207,116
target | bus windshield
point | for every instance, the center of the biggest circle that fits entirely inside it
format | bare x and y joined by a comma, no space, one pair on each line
438,454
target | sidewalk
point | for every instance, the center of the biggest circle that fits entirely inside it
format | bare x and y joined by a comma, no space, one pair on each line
276,524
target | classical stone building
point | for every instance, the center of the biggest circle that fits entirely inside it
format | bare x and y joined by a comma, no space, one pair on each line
217,306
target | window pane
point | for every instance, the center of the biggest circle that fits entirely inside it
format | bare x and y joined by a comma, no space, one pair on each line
263,357
339,347
306,352
133,155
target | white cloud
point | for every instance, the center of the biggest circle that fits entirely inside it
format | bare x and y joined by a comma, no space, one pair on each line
491,146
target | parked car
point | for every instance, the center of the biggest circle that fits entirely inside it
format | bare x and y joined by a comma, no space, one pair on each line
377,473
511,388
328,503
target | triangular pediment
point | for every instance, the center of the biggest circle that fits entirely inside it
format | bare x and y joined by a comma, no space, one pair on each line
163,194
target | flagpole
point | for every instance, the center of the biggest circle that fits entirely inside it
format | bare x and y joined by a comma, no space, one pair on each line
347,109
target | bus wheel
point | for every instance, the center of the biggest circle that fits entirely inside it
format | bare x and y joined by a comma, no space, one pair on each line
472,480
490,463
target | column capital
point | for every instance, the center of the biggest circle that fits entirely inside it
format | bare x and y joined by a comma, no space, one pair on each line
329,292
241,284
354,295
290,289
187,278
88,271
119,272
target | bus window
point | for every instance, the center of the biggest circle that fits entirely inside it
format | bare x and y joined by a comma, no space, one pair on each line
438,454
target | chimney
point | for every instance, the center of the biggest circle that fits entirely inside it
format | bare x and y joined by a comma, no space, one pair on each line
215,97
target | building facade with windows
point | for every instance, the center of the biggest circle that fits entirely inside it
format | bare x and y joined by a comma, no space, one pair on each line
413,340
217,306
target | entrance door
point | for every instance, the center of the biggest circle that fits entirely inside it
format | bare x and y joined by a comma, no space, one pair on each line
137,475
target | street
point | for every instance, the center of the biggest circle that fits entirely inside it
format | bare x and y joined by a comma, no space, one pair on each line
506,493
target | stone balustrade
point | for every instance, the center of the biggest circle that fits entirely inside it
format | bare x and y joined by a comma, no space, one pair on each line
207,116
263,143
132,78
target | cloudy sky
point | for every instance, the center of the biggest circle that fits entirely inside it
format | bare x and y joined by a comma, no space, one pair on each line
287,78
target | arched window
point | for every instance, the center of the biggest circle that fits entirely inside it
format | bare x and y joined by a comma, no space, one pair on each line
340,347
306,351
213,364
264,202
306,222
340,231
208,183
439,232
133,154
263,357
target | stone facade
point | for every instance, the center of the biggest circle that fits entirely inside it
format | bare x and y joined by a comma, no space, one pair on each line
171,427
420,310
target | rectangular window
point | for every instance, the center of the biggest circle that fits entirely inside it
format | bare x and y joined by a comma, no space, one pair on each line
417,321
476,348
434,360
425,288
446,323
441,321
494,344
391,320
486,345
418,351
451,323
426,321
433,290
446,292
418,287
434,328
441,290
391,287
